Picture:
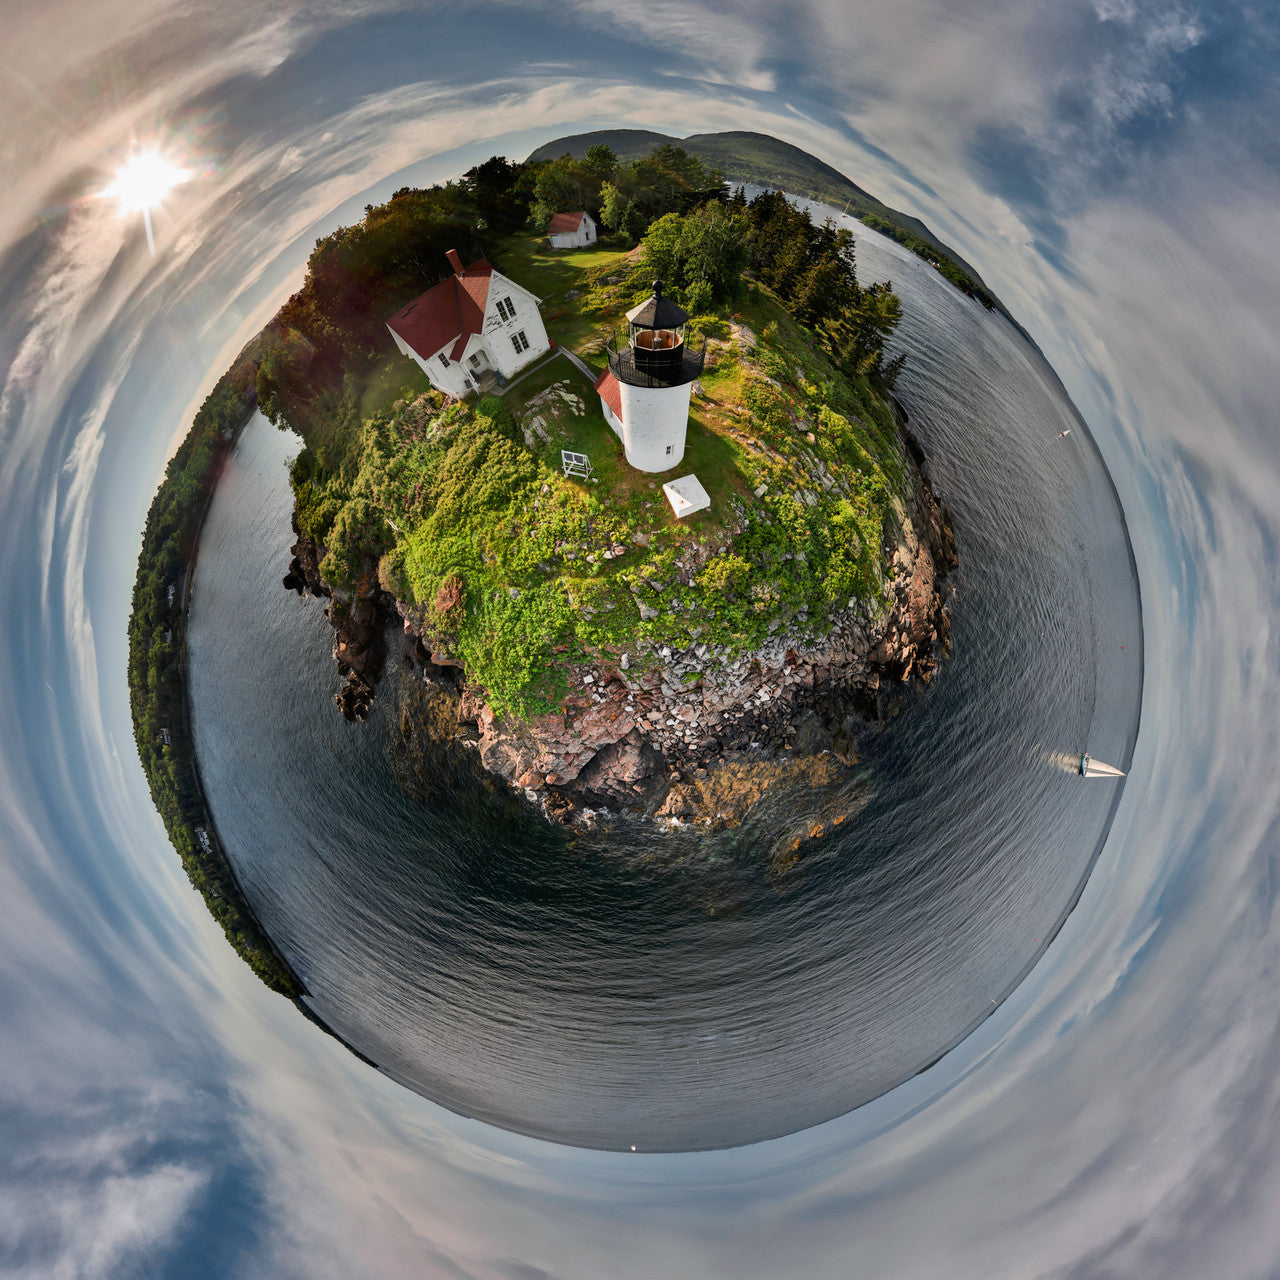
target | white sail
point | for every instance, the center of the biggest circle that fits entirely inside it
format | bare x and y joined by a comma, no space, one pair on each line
1091,768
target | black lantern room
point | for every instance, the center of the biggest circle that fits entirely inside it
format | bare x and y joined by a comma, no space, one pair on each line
655,354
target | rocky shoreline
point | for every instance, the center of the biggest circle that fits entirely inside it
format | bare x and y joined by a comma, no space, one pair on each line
687,736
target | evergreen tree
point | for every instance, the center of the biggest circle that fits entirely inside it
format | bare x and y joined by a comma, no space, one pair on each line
601,160
500,200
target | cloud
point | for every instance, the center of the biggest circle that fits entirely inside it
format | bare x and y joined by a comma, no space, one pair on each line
76,272
730,43
97,1224
80,467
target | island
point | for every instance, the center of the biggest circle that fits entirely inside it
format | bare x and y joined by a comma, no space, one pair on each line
656,533
589,625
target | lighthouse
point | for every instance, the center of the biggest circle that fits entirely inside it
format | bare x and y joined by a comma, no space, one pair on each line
646,389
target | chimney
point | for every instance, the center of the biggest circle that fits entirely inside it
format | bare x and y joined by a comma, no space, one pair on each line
454,261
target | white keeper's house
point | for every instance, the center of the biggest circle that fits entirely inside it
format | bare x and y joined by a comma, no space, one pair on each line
473,325
572,230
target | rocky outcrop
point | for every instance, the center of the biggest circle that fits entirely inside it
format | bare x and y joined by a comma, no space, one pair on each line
636,739
359,621
693,735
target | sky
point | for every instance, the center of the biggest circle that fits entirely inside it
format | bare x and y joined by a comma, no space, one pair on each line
1112,170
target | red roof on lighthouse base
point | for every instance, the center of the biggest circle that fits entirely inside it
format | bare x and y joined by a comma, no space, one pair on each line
607,385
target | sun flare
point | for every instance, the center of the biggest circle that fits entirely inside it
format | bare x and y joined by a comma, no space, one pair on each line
144,180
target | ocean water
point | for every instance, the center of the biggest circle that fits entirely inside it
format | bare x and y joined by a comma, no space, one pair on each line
680,993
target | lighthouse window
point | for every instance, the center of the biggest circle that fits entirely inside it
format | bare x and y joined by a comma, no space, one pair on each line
506,309
519,341
670,447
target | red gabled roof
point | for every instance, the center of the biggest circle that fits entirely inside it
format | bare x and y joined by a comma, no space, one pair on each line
566,223
607,385
453,309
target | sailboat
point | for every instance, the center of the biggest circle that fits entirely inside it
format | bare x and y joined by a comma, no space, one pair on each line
1090,768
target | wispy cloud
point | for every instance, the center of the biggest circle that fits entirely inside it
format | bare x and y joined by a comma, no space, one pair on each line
97,1223
81,260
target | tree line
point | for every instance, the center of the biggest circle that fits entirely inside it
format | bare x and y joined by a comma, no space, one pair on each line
157,669
332,330
705,256
329,334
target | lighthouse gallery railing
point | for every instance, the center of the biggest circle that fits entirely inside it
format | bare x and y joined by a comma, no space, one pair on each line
642,367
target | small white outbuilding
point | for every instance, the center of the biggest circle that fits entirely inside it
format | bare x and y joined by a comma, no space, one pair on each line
574,230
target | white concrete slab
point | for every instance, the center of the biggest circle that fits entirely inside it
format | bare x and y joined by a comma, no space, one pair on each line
686,496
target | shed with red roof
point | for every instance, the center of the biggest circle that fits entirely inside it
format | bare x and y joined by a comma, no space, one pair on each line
574,230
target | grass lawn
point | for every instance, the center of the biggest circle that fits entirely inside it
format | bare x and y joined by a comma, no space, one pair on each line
720,464
636,496
393,378
551,273
583,433
524,386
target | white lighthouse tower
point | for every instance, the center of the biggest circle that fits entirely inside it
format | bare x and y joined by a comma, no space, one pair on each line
652,378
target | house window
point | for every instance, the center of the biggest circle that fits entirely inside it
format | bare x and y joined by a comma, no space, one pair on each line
520,342
506,309
444,360
475,361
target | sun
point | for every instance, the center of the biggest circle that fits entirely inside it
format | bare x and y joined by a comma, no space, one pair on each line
142,182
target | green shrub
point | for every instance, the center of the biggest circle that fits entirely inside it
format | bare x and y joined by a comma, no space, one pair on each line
725,575
698,296
709,326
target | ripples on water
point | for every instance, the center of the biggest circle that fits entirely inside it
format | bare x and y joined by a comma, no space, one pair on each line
671,993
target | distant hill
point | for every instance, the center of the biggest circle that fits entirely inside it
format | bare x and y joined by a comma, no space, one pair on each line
762,160
630,144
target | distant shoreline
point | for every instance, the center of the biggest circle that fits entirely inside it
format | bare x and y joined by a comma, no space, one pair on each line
775,165
159,691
